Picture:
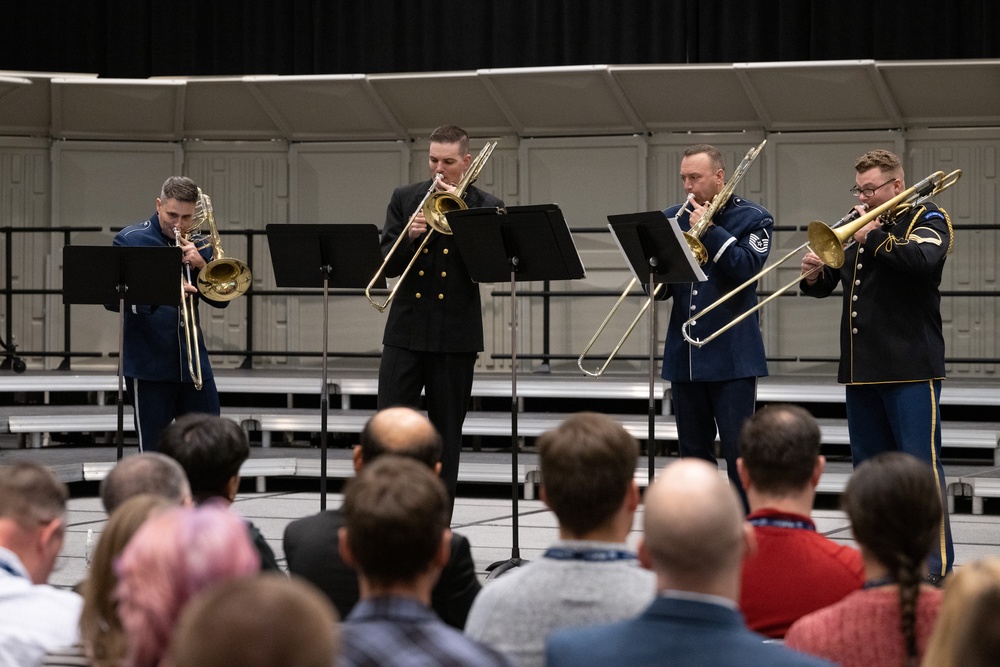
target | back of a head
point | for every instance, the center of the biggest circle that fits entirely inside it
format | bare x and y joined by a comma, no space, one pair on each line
894,506
266,620
173,556
146,472
966,626
588,464
31,494
693,525
100,629
780,445
209,448
401,431
395,511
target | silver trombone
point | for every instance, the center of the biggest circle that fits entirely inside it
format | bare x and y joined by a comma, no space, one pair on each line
828,242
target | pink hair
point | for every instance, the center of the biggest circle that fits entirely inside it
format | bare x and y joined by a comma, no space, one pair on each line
173,556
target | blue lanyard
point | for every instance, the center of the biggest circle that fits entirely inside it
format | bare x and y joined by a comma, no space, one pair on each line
876,583
589,555
10,569
777,522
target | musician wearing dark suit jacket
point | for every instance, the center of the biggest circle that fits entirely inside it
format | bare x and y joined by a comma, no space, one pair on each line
312,546
435,328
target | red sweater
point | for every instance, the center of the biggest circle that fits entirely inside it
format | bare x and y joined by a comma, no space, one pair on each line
795,571
863,629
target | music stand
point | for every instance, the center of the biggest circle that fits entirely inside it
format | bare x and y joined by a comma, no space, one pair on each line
339,256
654,249
511,244
145,276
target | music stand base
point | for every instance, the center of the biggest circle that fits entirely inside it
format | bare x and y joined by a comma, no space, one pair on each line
498,568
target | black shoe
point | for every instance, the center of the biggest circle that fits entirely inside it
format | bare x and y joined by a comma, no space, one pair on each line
936,580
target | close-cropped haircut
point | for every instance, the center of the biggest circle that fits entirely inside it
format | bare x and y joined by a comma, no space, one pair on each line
395,511
145,472
587,464
780,445
210,448
885,161
451,134
31,494
713,153
894,505
180,188
267,620
424,446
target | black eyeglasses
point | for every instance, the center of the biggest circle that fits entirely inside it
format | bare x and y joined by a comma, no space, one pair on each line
869,192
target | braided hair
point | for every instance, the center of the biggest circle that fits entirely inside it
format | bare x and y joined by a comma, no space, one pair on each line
894,505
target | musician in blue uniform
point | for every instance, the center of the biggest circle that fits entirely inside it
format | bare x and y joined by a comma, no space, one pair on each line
714,388
435,327
891,340
156,368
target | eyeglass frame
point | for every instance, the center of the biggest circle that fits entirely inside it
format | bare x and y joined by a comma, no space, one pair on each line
869,192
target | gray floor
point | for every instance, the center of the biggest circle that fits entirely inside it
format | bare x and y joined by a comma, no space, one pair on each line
486,522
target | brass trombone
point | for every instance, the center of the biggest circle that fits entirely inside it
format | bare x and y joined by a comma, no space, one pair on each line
693,238
435,205
221,279
828,243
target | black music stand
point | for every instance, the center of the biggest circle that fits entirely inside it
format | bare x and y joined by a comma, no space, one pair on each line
511,244
117,277
654,250
339,256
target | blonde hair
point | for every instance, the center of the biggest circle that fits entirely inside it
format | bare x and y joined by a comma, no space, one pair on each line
962,589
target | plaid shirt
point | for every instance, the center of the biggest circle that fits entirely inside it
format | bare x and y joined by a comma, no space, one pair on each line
398,631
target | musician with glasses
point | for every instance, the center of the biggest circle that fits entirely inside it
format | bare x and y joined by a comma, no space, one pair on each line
434,331
157,376
714,388
891,339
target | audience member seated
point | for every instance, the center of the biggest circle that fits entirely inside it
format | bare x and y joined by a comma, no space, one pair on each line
396,536
310,543
967,632
146,472
262,621
34,617
211,450
795,570
590,575
173,556
102,640
893,504
694,540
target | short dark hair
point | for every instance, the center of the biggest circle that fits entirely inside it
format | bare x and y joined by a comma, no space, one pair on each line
780,445
587,464
395,511
451,134
180,188
713,153
264,620
210,448
425,446
146,472
31,494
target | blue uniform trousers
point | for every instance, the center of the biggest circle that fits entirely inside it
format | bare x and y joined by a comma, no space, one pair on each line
156,404
706,408
905,417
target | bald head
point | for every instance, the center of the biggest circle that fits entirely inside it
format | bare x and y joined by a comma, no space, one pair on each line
401,431
693,528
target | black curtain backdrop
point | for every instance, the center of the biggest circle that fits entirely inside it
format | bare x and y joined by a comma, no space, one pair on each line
142,38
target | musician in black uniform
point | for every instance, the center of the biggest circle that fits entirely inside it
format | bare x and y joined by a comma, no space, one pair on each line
435,327
891,340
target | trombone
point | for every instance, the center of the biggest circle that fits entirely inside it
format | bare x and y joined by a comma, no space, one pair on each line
435,206
221,279
828,242
693,238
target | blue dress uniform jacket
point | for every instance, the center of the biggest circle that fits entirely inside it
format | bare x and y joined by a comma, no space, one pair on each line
437,308
738,244
155,344
890,329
